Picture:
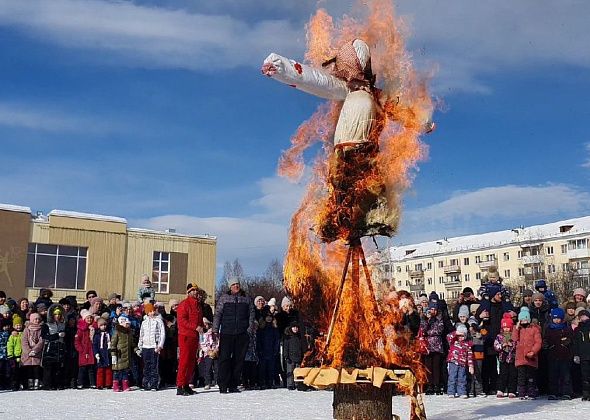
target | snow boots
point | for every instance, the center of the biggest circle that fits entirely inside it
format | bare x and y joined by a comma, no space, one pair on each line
116,386
125,385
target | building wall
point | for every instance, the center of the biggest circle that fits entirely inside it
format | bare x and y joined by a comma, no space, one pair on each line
14,238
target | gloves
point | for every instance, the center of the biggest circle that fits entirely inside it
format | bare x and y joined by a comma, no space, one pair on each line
62,334
577,360
138,352
471,370
97,358
32,353
114,360
18,360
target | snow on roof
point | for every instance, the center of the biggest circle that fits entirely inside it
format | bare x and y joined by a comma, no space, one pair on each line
523,236
12,207
64,213
160,232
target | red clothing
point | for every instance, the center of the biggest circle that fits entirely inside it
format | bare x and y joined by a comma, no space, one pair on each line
188,347
189,317
527,340
83,344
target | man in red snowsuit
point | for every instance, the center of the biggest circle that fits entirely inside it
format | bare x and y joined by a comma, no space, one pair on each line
190,324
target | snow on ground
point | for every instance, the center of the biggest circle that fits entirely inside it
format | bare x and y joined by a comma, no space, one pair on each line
270,404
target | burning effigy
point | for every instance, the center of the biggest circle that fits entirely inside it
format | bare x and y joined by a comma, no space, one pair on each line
370,129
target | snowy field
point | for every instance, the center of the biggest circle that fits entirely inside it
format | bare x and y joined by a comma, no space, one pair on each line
270,404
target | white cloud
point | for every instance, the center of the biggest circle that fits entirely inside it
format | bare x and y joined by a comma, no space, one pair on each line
151,36
586,164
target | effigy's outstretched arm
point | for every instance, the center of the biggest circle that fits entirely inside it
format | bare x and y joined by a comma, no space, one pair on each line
303,77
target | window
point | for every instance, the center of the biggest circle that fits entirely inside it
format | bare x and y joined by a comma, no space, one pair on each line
399,268
429,281
418,267
507,274
161,271
399,283
478,276
442,295
466,277
466,261
56,266
578,244
564,267
440,280
429,266
454,261
549,250
521,271
551,268
564,248
506,256
407,283
478,259
407,268
441,264
519,255
491,257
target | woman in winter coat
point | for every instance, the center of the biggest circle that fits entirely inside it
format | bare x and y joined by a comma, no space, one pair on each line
122,349
53,334
528,341
267,347
83,343
433,329
32,345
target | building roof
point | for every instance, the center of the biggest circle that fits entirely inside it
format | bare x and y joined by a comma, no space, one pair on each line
77,215
523,236
12,207
159,232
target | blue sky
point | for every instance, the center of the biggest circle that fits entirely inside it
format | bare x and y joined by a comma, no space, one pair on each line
156,111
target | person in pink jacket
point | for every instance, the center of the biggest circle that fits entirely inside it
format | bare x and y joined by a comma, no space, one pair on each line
83,344
32,345
528,341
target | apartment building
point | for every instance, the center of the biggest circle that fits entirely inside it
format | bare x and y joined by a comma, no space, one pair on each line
71,252
553,251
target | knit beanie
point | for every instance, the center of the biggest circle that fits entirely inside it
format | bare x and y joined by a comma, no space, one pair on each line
527,292
257,299
557,313
579,291
286,301
17,320
506,321
272,302
101,321
84,313
540,284
524,314
231,280
464,311
570,305
148,307
433,305
461,329
472,321
538,296
582,311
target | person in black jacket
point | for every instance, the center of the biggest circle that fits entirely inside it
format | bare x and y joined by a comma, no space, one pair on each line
293,352
234,317
53,334
581,350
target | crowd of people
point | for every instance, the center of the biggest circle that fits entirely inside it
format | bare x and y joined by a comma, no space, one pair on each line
144,344
481,345
487,345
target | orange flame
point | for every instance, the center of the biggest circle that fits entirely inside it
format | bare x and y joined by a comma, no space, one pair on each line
367,332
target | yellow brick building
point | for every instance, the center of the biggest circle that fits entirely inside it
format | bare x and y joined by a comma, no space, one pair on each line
72,252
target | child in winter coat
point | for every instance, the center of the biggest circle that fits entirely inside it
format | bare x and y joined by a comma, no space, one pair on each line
432,326
101,344
477,348
292,352
209,354
122,349
506,348
5,326
83,343
460,361
152,336
71,355
528,345
14,351
267,346
250,369
557,341
146,291
581,350
32,345
53,333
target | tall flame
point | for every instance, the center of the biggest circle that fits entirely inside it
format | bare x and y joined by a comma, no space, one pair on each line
367,332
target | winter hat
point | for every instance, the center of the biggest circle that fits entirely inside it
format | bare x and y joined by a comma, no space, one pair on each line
538,296
191,286
583,312
570,305
126,305
579,291
35,315
506,321
433,296
172,302
206,321
148,307
272,302
286,301
123,319
461,329
527,292
580,309
91,292
17,320
112,296
4,309
145,279
95,300
231,280
472,321
257,299
41,307
524,314
423,299
467,290
2,294
493,273
433,305
557,313
474,307
540,284
101,321
464,311
492,290
85,313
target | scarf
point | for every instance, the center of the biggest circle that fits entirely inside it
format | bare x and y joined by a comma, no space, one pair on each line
555,326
